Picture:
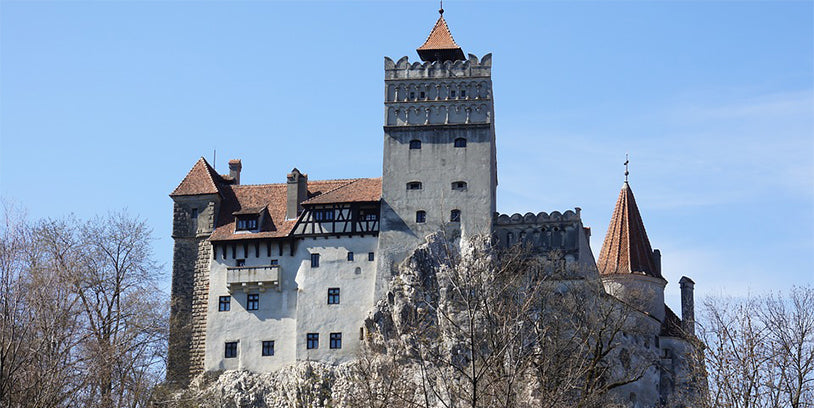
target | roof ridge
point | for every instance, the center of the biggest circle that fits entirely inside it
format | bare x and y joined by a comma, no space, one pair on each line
309,181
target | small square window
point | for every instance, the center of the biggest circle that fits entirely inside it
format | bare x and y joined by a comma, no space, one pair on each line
268,348
414,185
455,216
194,213
415,144
333,296
252,301
350,256
336,340
274,262
224,303
459,185
371,256
420,217
230,349
315,260
460,142
240,262
312,341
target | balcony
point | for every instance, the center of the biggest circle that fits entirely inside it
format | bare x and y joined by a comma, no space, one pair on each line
252,278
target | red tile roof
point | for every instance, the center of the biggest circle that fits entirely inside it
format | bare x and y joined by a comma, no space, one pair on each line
626,248
201,179
440,37
274,196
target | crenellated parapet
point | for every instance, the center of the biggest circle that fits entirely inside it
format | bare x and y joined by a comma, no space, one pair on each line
438,93
542,231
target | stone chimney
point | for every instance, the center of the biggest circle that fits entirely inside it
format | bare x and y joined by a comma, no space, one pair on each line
657,260
296,194
687,305
234,170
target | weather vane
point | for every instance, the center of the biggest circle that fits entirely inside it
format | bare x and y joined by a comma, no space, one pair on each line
627,161
441,10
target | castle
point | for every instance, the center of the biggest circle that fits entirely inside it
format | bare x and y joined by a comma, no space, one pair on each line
267,275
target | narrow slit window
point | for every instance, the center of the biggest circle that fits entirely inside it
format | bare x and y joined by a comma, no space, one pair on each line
315,260
350,256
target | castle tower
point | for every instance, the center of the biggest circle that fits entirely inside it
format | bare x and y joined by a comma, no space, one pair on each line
196,202
439,167
630,269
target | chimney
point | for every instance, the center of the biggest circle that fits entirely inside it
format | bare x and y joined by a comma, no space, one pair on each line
687,305
297,193
657,261
234,170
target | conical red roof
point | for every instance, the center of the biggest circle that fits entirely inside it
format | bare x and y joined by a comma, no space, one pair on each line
440,46
201,179
626,248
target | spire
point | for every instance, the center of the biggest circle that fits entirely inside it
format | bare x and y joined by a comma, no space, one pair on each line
626,248
201,179
440,46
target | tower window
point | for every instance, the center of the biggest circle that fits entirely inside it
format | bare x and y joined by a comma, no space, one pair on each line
459,185
420,217
455,216
252,301
460,142
312,341
224,303
315,260
350,256
463,93
415,144
268,348
336,340
412,95
422,95
194,213
371,256
240,262
333,296
452,93
414,185
230,349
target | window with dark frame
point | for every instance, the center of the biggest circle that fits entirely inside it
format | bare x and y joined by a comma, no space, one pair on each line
333,296
246,224
323,215
371,256
459,185
268,348
350,256
252,301
194,213
460,142
455,216
240,262
420,217
368,214
463,93
415,144
422,94
312,341
224,303
315,260
230,349
452,94
336,340
274,262
414,185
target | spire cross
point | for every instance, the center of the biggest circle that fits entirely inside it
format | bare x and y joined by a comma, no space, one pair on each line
627,161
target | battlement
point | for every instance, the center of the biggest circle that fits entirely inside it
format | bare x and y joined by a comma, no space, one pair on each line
539,218
403,69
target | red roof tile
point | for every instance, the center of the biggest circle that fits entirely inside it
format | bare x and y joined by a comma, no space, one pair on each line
440,45
201,179
626,248
274,196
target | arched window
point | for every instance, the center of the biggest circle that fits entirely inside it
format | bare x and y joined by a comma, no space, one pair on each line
420,217
459,185
414,185
460,142
415,144
455,216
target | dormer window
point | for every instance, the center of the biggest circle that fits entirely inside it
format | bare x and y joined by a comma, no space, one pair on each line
246,224
415,144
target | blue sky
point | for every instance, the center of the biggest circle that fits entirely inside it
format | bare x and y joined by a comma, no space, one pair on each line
106,105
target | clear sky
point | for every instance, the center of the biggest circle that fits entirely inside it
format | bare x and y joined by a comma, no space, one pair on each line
106,105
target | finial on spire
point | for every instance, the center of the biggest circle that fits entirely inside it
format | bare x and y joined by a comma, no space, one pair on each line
441,10
627,172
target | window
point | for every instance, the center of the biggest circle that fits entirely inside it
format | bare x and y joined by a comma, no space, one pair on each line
368,214
414,185
274,262
245,224
455,216
312,341
422,94
240,262
194,213
323,215
460,142
452,94
252,301
463,93
371,256
268,348
420,217
336,340
315,260
415,144
224,303
459,185
230,349
350,256
333,296
412,95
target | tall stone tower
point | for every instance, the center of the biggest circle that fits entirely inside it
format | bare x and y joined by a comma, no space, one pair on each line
439,167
